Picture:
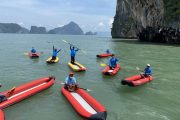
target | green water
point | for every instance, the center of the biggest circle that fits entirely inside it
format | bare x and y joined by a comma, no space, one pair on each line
158,100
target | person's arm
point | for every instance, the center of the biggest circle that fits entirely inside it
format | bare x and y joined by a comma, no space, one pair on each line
53,47
59,50
66,80
70,47
117,60
77,49
110,62
74,80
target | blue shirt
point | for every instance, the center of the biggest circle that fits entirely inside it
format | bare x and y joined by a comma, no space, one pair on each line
55,53
70,80
148,71
73,51
113,62
33,50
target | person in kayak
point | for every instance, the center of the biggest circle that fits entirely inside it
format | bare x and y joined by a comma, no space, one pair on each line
73,53
70,83
9,93
108,51
147,71
33,50
113,62
55,52
2,97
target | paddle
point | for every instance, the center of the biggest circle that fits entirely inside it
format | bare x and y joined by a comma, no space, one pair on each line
141,72
26,53
62,83
137,68
103,64
74,46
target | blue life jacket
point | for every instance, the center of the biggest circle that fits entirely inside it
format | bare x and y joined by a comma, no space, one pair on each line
33,50
107,51
70,80
148,71
113,62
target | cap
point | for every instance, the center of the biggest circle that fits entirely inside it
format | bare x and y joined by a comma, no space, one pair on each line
71,73
148,65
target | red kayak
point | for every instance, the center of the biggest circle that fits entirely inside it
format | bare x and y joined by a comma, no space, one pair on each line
85,105
104,55
21,92
1,115
33,55
108,71
136,80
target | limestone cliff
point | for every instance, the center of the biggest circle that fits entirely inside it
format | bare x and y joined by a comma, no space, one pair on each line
134,15
12,28
38,30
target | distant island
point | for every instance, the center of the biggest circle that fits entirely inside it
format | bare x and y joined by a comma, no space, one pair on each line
70,29
91,33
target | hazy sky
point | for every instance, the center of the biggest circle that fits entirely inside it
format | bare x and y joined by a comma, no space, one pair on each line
95,15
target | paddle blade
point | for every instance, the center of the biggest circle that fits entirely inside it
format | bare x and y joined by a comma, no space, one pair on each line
137,68
103,64
26,53
65,41
86,89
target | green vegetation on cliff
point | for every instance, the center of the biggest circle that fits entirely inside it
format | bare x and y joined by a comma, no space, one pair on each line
172,10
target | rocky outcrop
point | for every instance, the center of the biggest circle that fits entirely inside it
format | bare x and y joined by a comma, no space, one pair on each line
134,15
70,29
91,33
38,30
12,28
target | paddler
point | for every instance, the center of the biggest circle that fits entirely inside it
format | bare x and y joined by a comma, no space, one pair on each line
33,50
2,97
73,53
55,52
147,71
113,62
70,82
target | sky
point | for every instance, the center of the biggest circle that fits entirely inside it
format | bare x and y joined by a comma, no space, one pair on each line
90,15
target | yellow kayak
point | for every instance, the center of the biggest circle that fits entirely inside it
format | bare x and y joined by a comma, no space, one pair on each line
49,60
76,67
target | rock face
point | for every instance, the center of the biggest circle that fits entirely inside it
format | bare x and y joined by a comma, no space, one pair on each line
134,15
12,28
38,30
91,33
70,29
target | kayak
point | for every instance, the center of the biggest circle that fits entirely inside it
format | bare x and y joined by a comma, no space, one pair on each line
1,115
76,67
85,105
108,71
104,55
33,55
21,92
136,80
52,61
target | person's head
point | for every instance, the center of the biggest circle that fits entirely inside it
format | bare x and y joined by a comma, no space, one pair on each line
112,55
73,47
71,74
148,65
55,49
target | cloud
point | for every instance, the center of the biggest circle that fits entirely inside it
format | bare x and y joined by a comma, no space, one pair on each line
21,23
111,20
101,24
60,25
86,13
